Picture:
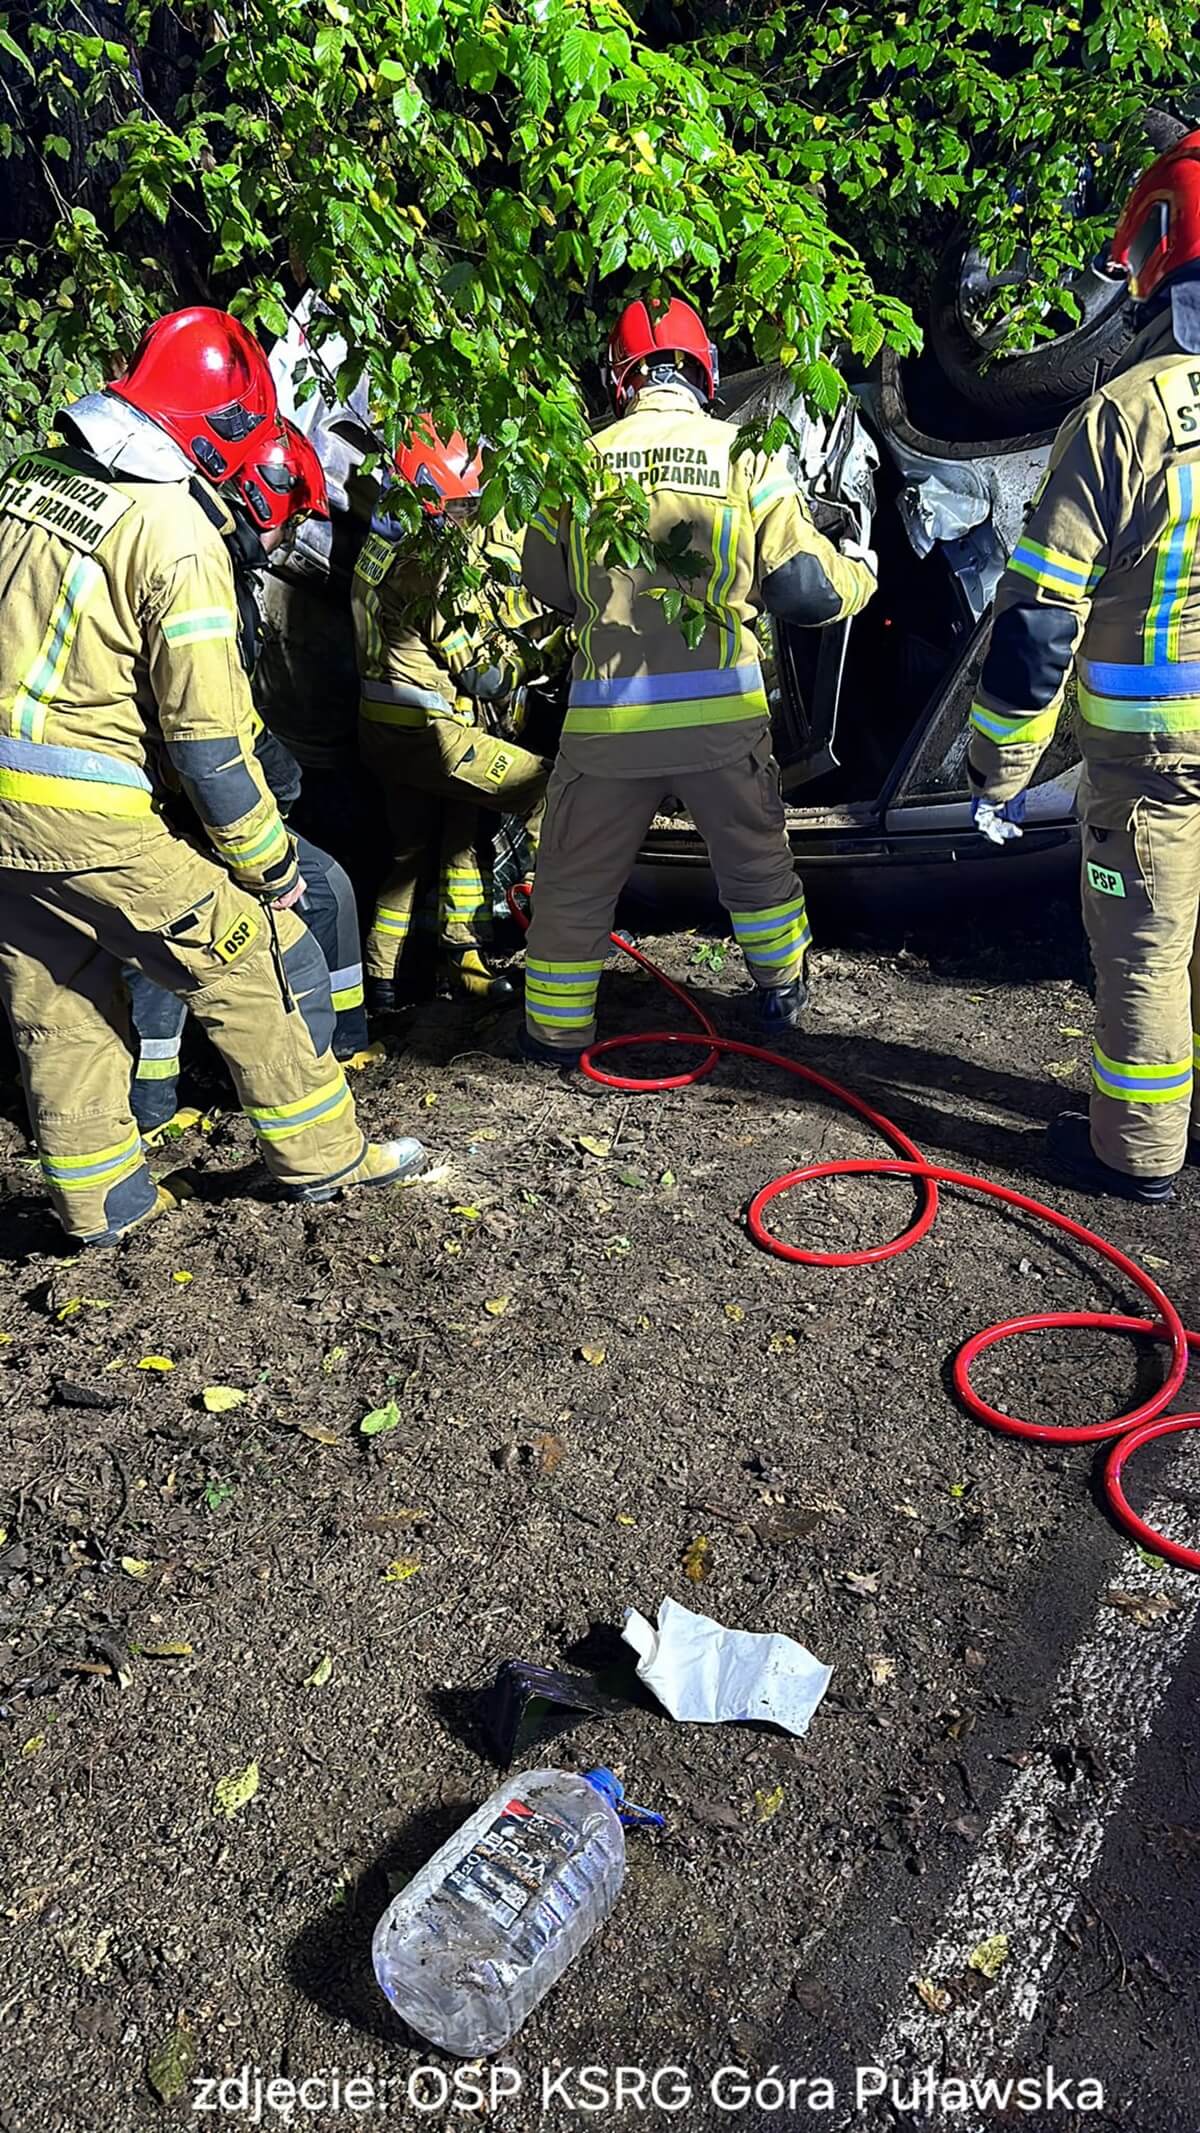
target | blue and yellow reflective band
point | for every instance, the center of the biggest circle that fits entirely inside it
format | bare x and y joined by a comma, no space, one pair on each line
1015,729
542,523
766,492
40,774
1130,1083
562,995
666,718
277,1122
346,987
247,851
1158,714
581,571
1052,568
394,923
41,684
79,1173
158,1058
1173,563
197,625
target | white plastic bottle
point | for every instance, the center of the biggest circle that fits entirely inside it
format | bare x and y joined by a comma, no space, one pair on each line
480,1934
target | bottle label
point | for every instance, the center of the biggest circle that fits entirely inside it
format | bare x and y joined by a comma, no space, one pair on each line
512,1861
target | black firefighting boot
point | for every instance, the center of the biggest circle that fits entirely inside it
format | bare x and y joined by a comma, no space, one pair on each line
1070,1155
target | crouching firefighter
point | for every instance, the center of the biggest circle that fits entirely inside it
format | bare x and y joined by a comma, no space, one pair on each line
649,715
437,660
1105,574
118,639
258,508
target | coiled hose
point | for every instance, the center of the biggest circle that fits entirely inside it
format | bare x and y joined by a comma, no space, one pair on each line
1140,1426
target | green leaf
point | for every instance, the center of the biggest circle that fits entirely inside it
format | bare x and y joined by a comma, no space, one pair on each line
169,2067
7,44
380,1420
232,1793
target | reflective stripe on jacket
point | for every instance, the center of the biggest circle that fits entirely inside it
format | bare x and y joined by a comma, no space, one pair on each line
642,699
1104,574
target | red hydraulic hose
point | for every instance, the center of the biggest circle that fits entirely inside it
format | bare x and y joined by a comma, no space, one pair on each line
1140,1426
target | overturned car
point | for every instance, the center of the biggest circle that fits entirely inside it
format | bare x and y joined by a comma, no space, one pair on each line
869,715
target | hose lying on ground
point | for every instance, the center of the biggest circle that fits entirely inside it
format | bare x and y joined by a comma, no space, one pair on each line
1131,1431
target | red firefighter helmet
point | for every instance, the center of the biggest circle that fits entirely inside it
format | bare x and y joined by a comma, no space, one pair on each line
204,379
1159,231
647,329
442,471
282,478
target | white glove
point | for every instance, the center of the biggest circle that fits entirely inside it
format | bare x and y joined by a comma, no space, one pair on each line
996,823
859,553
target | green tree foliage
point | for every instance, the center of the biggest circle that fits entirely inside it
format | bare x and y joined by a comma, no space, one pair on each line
474,186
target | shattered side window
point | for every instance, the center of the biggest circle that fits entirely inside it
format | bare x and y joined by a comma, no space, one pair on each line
938,770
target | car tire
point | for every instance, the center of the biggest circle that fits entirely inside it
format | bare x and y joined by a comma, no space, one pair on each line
1037,389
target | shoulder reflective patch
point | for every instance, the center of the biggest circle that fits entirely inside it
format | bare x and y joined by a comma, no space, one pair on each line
1104,881
375,559
78,510
238,938
702,467
1179,390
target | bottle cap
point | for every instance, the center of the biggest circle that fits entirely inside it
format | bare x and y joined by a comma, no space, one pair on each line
610,1788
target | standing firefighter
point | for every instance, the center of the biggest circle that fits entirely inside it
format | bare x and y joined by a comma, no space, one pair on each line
650,715
258,508
1106,568
432,675
118,642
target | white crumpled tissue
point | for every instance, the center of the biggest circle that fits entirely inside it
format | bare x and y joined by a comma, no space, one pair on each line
699,1670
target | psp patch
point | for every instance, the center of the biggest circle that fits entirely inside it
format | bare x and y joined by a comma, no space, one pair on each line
1104,881
499,767
1179,390
238,938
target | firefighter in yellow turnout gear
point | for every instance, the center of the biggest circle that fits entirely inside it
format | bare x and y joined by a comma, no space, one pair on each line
1106,574
650,716
120,678
433,666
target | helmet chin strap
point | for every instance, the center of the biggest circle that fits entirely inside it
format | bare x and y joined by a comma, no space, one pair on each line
669,374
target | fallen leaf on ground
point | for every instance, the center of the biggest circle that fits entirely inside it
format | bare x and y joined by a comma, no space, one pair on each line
134,1567
882,1670
320,1673
496,1306
1152,1259
551,1451
379,1420
80,1303
779,1343
936,1998
329,1362
1145,1607
591,1352
403,1567
232,1793
668,1181
698,1559
469,1214
863,1582
221,1399
318,1433
623,1519
429,1099
990,1956
735,1312
1065,1030
767,1804
156,1362
169,2067
168,1650
182,1277
632,1178
1061,1069
591,1145
34,1745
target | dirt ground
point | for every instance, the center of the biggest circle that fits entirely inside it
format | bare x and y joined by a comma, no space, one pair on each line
593,1366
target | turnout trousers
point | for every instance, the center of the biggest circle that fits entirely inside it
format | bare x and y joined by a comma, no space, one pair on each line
254,978
1141,900
159,1017
594,829
435,777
